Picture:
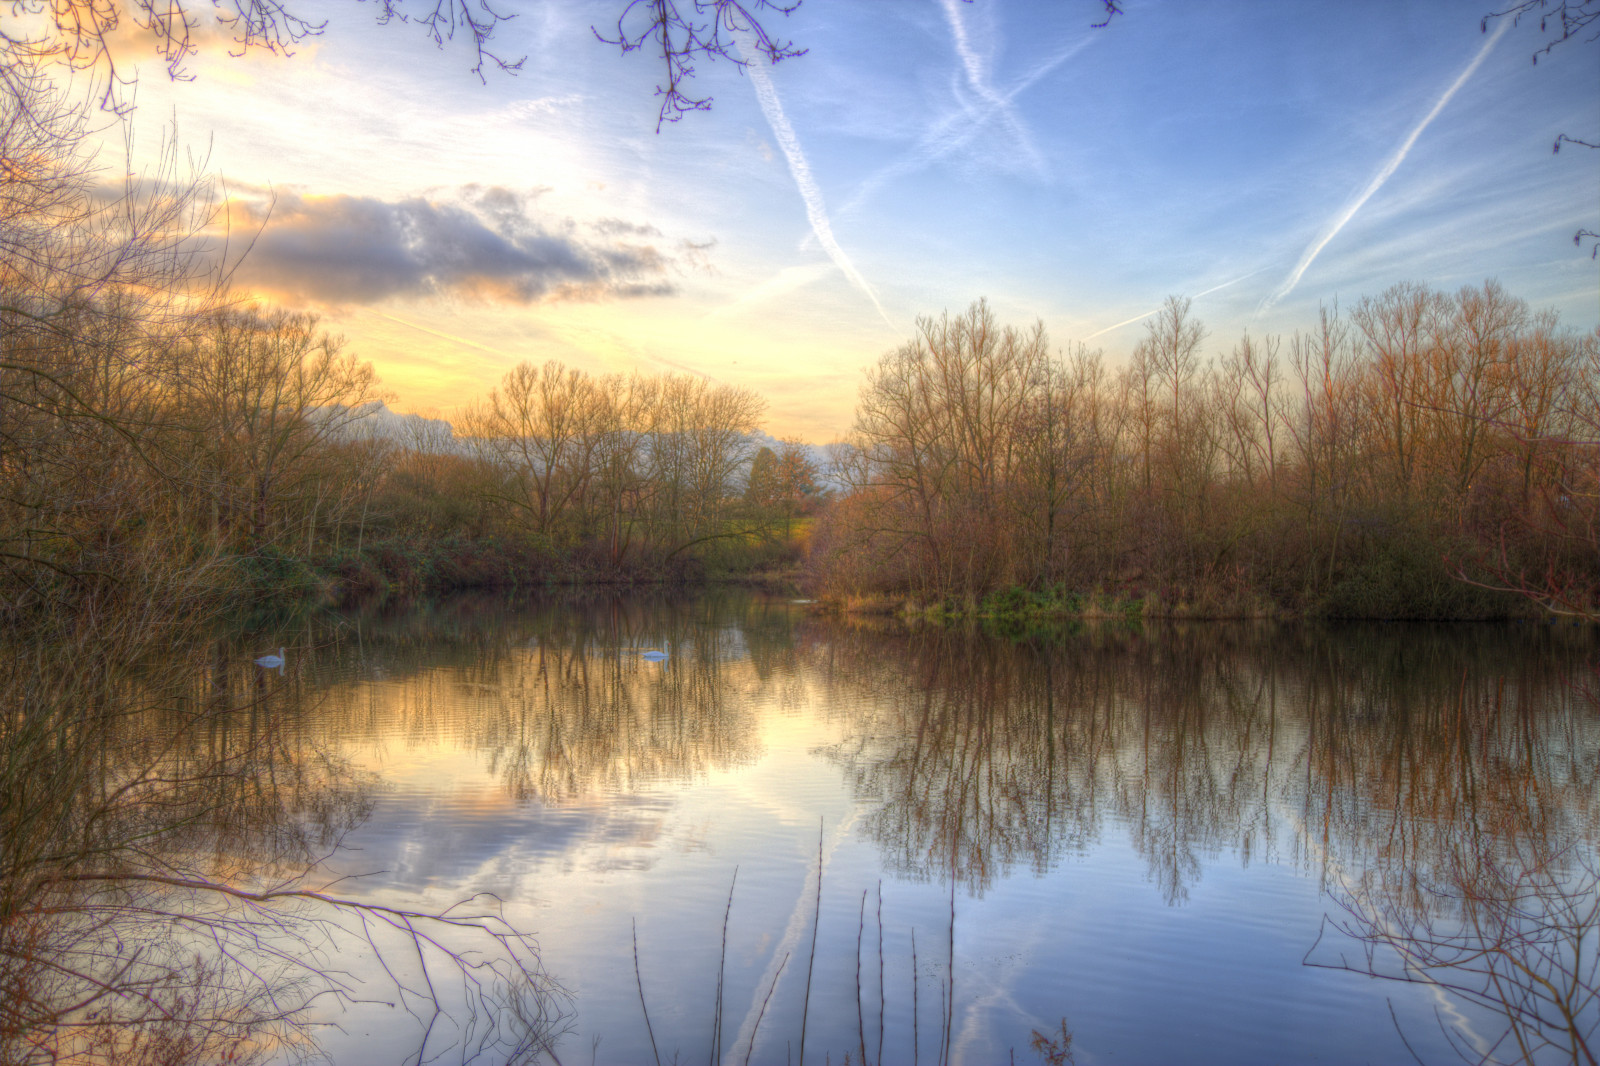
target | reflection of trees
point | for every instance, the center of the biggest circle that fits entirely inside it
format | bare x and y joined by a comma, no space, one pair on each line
553,692
159,821
1364,748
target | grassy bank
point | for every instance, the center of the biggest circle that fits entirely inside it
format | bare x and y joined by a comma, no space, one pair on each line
272,577
1381,591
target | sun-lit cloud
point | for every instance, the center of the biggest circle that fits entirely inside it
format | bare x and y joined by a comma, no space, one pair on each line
491,244
1384,172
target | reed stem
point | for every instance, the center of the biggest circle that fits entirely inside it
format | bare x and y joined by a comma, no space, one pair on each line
640,980
722,965
811,963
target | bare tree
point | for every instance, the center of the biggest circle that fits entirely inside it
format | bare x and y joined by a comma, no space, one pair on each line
1559,20
79,34
265,398
709,30
682,33
92,286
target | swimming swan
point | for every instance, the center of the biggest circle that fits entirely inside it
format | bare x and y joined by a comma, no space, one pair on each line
655,656
272,662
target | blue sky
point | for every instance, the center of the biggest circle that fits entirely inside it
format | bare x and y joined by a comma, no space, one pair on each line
923,154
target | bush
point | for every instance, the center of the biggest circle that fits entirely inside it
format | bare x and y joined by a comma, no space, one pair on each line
1408,578
270,574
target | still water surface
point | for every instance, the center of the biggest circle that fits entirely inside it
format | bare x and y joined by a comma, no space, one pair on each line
1172,841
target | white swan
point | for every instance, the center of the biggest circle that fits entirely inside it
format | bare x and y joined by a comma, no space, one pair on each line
272,662
655,656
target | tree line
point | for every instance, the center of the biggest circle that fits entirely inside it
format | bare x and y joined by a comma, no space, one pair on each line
155,434
1397,457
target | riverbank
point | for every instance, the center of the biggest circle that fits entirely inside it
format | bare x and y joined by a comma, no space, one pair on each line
1371,597
273,577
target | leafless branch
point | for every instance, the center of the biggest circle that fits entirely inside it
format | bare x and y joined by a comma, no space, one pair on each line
685,33
1560,20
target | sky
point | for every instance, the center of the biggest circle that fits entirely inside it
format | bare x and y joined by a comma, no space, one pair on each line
1263,159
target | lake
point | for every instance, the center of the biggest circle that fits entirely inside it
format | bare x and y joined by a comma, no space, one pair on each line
1190,843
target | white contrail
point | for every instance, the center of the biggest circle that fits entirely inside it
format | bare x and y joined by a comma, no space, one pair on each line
441,335
1124,322
783,282
956,129
800,170
1153,310
977,68
788,944
1383,174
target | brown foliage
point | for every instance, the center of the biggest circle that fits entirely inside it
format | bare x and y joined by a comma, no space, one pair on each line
1428,443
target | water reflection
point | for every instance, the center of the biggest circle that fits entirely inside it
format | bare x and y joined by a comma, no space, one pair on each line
1369,759
1439,784
1376,749
162,819
557,697
1506,917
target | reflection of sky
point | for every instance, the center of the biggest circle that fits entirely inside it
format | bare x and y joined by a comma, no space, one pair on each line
1210,972
921,155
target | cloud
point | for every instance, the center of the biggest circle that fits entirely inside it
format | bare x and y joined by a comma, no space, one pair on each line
616,227
1389,167
491,245
800,170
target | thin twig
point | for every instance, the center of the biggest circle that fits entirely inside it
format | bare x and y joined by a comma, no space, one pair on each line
640,980
880,972
763,1011
722,963
950,976
811,963
861,1021
916,1053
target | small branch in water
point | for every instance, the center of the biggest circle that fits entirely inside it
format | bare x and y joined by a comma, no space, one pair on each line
861,1021
811,963
763,1011
916,1054
881,1007
642,1007
722,964
950,973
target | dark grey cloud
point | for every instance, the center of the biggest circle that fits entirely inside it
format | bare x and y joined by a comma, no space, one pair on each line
489,244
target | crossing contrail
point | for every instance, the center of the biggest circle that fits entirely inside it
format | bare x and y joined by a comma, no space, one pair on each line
977,71
956,130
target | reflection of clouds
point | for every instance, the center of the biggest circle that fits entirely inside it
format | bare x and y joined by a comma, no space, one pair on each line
973,753
1188,744
419,840
492,244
